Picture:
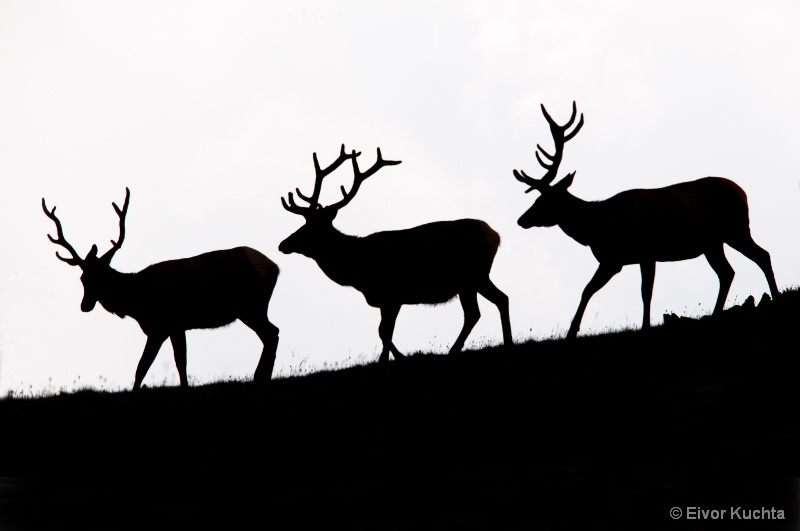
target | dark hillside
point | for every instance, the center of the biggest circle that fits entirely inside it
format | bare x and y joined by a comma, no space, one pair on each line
604,432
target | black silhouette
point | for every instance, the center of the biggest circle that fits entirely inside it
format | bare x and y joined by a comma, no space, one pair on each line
428,264
645,226
166,299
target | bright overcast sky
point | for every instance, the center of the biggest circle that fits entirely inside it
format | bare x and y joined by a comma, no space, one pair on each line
210,112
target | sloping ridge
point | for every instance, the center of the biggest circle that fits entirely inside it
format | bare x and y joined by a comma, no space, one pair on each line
606,430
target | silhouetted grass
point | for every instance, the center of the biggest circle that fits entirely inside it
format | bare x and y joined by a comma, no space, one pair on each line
607,431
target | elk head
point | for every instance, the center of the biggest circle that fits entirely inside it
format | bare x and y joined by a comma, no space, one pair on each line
546,209
96,270
315,234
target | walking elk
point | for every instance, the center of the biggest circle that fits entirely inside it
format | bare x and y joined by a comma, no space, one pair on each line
428,264
168,298
644,226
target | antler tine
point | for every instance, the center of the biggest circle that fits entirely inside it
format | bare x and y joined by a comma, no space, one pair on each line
379,163
546,154
572,119
336,163
293,207
359,177
121,213
60,240
524,178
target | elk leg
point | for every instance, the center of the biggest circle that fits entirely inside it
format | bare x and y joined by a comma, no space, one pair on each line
268,334
178,340
716,258
386,330
601,277
469,301
648,278
151,348
760,256
266,363
499,299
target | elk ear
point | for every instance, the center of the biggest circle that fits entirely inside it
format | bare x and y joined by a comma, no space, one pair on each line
92,255
565,183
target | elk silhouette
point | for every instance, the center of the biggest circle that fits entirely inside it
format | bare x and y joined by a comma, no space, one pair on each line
210,290
428,264
644,226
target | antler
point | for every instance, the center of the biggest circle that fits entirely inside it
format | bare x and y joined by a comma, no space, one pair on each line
320,173
76,260
115,245
358,178
560,137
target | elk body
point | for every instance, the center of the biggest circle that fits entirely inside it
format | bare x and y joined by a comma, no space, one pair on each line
428,264
645,226
210,290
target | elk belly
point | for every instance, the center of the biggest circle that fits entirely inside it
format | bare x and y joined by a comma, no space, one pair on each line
400,293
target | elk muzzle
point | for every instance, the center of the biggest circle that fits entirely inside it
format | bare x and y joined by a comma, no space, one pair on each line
529,219
88,304
286,246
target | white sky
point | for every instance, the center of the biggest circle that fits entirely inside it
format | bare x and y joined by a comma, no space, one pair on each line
210,111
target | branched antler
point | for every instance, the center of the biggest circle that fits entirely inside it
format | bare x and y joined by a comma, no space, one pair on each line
358,177
75,260
75,257
560,137
320,174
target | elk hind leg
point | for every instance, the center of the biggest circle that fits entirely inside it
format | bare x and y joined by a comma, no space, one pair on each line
648,279
499,299
178,340
601,277
761,257
721,266
469,302
386,331
268,334
151,349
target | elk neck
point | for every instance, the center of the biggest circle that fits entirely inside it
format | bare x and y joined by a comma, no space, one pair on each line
581,220
119,293
340,256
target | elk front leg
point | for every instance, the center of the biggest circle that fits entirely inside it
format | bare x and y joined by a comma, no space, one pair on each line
386,330
179,349
601,277
151,348
648,279
760,256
